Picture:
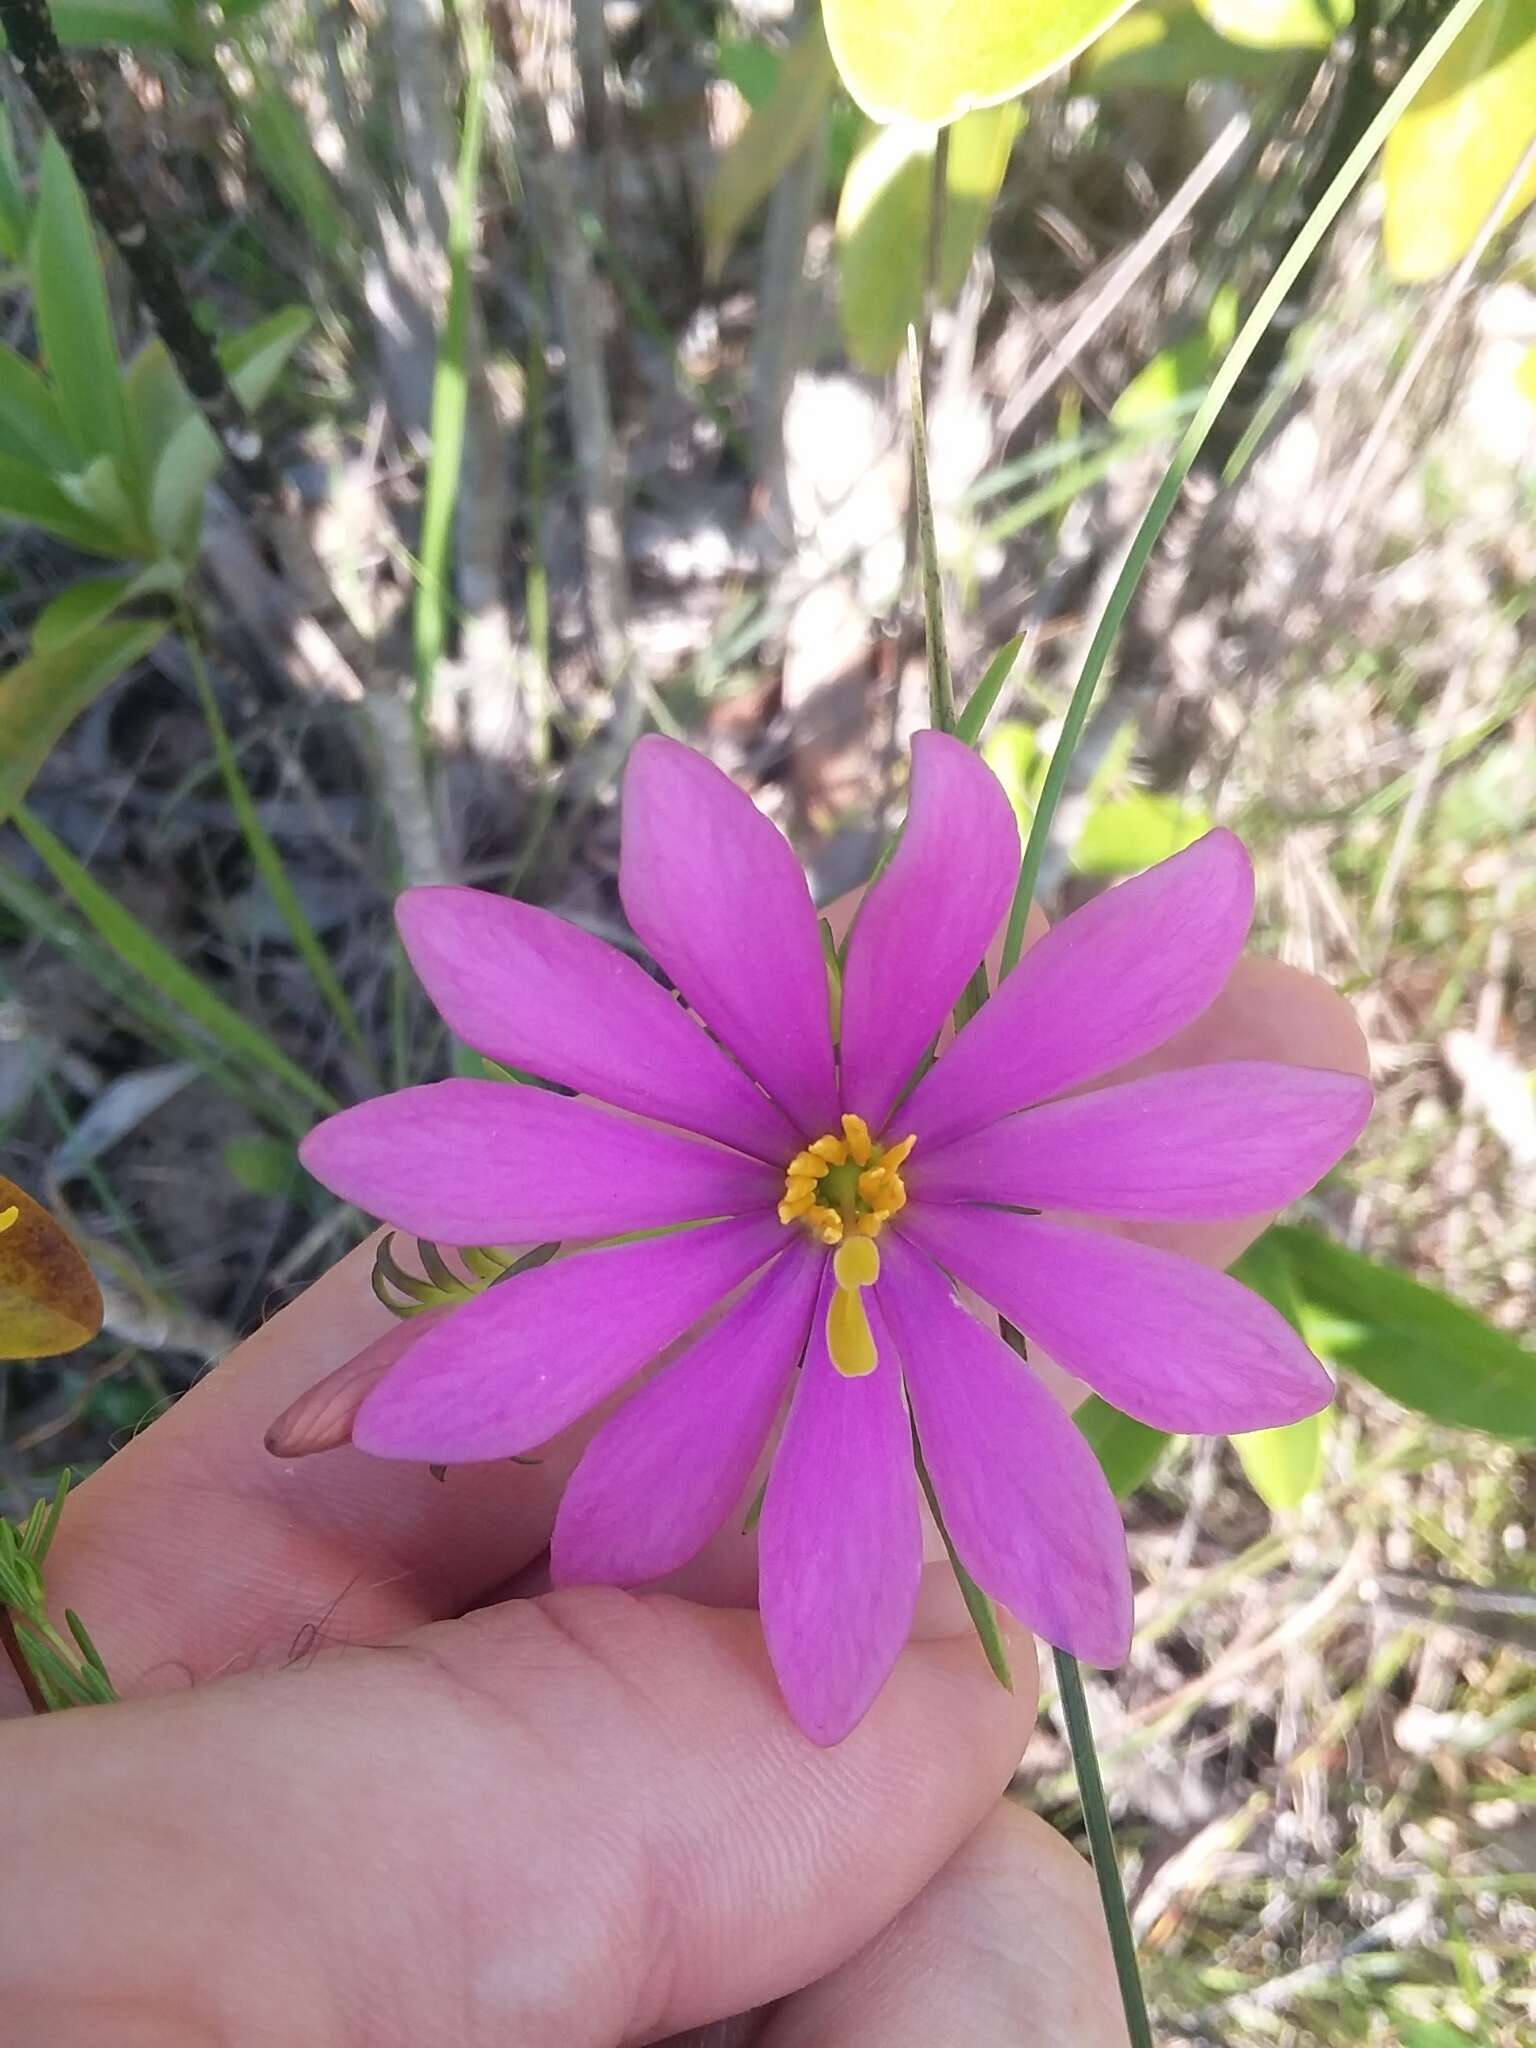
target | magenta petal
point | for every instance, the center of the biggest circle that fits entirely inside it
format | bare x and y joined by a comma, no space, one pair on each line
1228,1140
1170,1342
518,1364
924,926
840,1547
661,1475
1107,984
717,897
528,989
1025,1501
487,1162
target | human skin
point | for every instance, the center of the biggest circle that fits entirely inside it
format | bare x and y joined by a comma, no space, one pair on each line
350,1804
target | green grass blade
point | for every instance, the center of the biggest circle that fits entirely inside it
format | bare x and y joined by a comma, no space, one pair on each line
243,1041
450,392
971,723
267,859
941,688
1270,301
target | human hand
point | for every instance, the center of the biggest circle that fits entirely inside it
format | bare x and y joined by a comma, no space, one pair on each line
349,1802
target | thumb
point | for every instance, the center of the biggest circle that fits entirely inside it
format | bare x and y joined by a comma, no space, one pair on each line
583,1820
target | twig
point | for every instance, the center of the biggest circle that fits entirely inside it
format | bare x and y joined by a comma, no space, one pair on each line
1126,274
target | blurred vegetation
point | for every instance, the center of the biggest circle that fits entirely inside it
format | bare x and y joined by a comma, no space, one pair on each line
402,407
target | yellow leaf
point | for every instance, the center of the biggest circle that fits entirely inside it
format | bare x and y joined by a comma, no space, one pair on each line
882,224
49,1301
1456,148
933,60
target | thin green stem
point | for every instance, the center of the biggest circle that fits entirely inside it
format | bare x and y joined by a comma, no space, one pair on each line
1101,1843
1271,300
264,854
941,688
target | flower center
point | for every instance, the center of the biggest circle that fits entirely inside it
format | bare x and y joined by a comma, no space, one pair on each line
845,1190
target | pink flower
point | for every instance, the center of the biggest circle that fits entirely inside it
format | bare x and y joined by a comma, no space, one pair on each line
834,1206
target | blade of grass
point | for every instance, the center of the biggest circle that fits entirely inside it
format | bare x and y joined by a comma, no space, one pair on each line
263,851
140,950
971,723
1270,301
941,688
450,388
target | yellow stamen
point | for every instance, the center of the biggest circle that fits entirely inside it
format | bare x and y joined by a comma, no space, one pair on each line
9,1216
850,1341
844,1190
860,1144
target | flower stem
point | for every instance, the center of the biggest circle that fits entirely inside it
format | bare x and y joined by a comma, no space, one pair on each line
10,1642
1101,1842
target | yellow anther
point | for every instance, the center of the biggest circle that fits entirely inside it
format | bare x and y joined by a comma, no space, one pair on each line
844,1189
9,1216
860,1144
826,1223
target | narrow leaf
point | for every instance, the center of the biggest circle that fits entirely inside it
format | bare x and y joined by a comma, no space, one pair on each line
73,315
42,696
776,132
32,427
971,723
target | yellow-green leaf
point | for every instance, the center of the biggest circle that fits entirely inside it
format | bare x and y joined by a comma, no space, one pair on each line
1186,367
1279,24
882,224
1166,46
1284,1465
1457,146
775,134
73,317
933,60
49,1301
1133,832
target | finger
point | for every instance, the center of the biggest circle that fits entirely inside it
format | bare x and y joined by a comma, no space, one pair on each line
582,1820
193,1551
1006,1945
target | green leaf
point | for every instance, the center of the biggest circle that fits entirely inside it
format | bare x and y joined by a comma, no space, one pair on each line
1284,1465
752,67
286,153
158,402
192,458
1177,372
882,225
74,320
250,1047
775,133
138,24
1279,24
31,497
933,60
1134,832
1125,1448
43,695
265,1166
1166,46
15,213
92,601
32,427
1456,147
1415,1344
100,492
978,706
1013,754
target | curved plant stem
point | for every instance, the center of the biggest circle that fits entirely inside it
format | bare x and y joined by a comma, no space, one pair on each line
1101,1843
1273,297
